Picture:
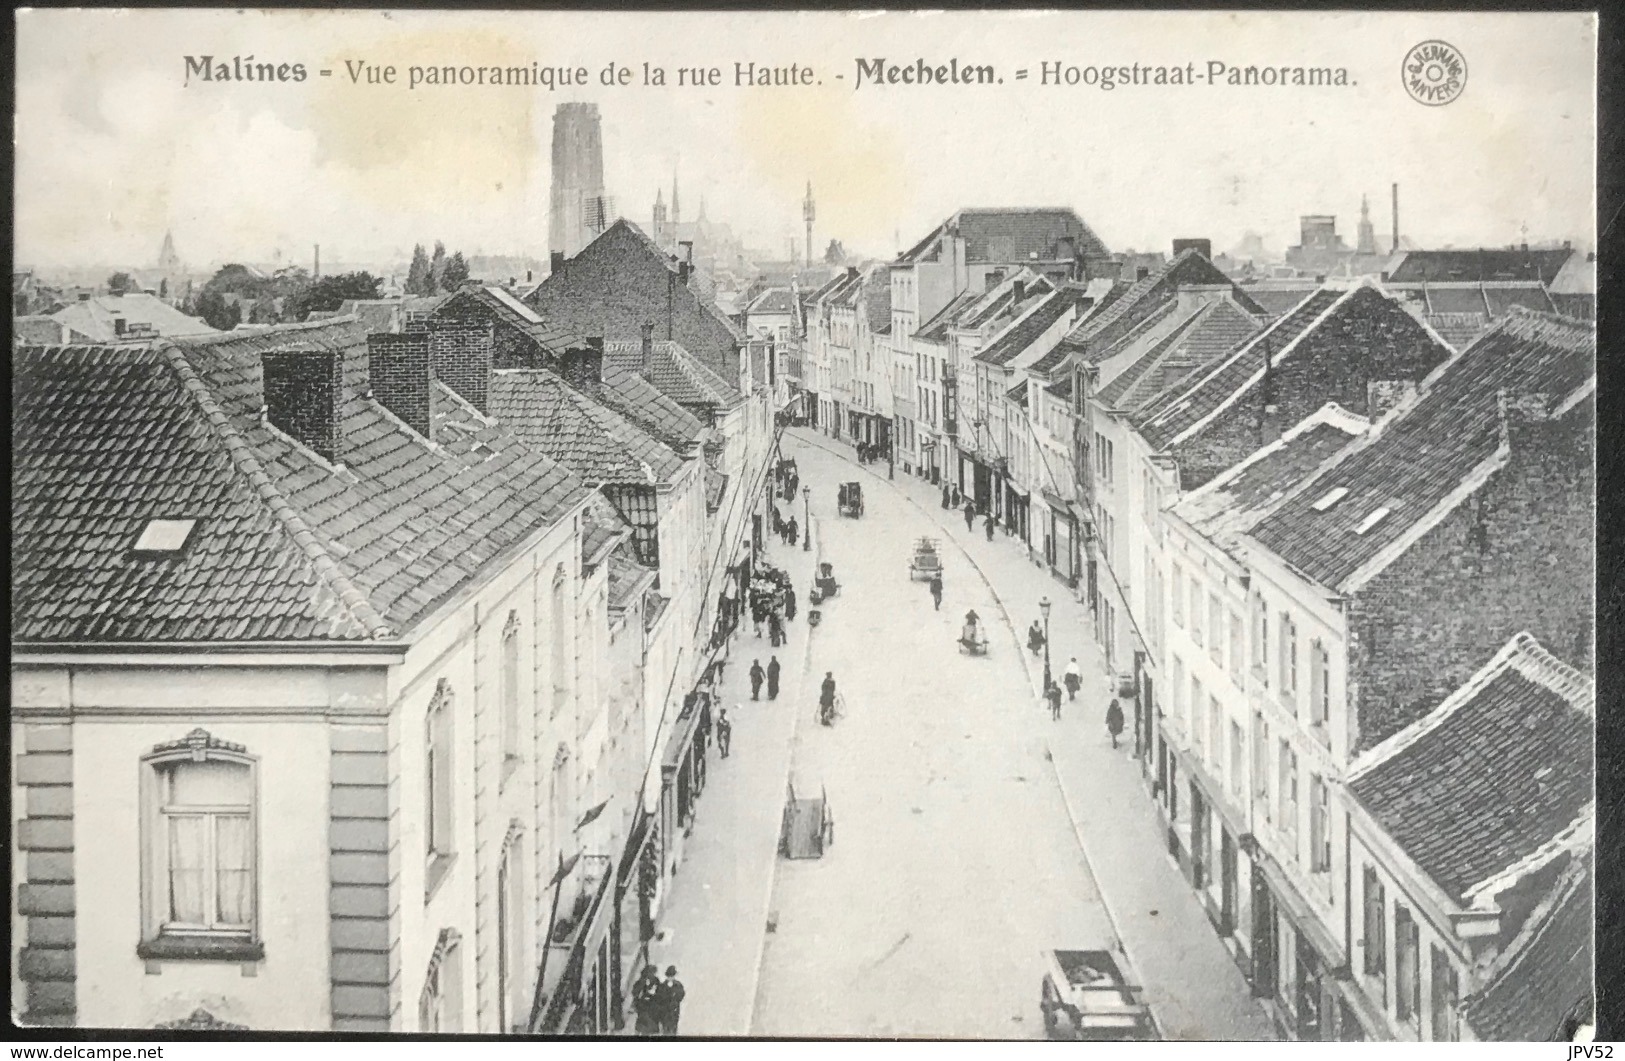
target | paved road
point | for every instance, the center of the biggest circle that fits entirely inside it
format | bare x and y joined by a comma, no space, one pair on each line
955,863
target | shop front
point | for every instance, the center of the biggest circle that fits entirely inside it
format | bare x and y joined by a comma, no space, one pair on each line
1305,961
1061,549
634,910
809,407
682,778
576,989
1017,501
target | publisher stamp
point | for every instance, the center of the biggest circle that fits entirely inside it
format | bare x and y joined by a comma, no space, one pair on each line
1435,73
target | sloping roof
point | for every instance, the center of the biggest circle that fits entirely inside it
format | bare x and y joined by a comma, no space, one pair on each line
1417,459
1486,263
1024,332
38,330
1577,277
773,300
286,546
592,440
1214,330
1013,234
1225,507
656,412
1494,782
1000,300
935,330
672,370
1018,393
627,578
1279,297
1544,976
877,299
490,301
93,318
1181,408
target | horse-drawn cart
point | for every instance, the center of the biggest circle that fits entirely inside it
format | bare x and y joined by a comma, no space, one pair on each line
926,563
850,500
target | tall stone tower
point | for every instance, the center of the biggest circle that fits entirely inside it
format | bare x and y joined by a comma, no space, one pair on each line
808,212
579,208
1367,241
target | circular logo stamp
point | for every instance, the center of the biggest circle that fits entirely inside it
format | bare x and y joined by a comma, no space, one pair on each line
1434,72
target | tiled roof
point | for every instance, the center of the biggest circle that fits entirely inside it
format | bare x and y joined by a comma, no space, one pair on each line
627,577
287,547
1010,235
1215,329
600,525
1278,297
656,412
1019,336
773,300
488,301
1544,977
1494,782
1503,297
1178,410
592,440
672,370
1415,460
38,330
936,329
1490,263
1018,394
1000,300
1061,388
93,318
1225,507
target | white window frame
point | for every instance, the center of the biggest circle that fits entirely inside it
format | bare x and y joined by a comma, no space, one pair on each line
439,774
508,689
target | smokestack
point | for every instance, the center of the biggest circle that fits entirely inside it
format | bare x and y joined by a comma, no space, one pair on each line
317,270
528,278
648,348
1396,217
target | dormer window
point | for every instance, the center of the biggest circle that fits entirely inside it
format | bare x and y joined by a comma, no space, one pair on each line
165,537
1371,521
1330,498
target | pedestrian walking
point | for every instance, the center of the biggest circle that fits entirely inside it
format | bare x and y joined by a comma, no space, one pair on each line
646,1001
758,615
826,699
1035,638
1073,679
970,516
990,526
945,498
775,629
756,676
936,592
790,600
671,1001
725,732
1053,695
1114,720
773,678
795,531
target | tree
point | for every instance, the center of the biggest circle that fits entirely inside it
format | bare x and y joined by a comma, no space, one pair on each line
418,279
120,284
163,287
216,311
328,293
455,273
437,267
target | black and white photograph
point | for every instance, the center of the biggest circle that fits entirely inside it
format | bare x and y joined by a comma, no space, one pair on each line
887,525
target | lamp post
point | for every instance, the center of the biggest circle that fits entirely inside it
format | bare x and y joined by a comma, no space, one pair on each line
1044,606
806,537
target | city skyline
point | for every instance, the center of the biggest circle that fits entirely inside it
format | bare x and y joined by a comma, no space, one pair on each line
366,172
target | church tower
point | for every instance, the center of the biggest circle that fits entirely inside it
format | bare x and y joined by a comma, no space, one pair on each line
658,231
1367,239
579,207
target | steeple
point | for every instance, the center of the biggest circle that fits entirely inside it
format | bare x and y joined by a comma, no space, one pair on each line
659,229
1366,242
168,260
808,212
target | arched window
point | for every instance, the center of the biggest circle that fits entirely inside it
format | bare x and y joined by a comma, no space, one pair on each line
201,848
509,692
440,1006
562,626
560,805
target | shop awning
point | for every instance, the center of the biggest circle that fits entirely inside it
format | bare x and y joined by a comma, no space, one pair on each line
682,736
1056,501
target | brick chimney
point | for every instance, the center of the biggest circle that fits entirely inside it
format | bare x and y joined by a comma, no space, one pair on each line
119,326
646,362
1141,272
584,365
1018,292
402,380
995,277
555,262
460,352
303,393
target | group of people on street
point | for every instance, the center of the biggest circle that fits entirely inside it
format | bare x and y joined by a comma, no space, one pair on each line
772,603
869,453
657,1003
770,675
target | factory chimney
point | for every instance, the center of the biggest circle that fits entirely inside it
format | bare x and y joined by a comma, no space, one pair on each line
1395,247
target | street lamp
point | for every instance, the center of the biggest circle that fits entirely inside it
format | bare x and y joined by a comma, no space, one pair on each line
806,537
1044,606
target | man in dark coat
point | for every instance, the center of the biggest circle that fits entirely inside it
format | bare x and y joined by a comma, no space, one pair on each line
936,592
826,699
990,526
775,630
725,732
789,601
646,1001
1053,695
773,678
671,1001
970,516
1114,720
794,532
756,676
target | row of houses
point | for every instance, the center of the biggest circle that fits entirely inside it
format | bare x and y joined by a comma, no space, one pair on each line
359,671
1336,541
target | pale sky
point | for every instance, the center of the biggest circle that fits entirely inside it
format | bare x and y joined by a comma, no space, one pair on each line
113,149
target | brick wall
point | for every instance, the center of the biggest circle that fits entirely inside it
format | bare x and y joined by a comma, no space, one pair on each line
44,772
303,392
1515,556
511,347
461,352
1371,338
399,367
618,284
